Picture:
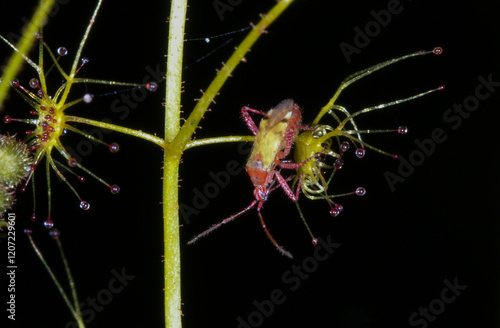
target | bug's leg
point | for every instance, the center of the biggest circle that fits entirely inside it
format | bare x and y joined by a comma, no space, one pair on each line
293,196
248,119
293,166
278,185
289,142
217,225
305,127
290,137
280,248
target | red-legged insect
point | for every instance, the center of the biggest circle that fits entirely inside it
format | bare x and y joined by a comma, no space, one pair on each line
273,141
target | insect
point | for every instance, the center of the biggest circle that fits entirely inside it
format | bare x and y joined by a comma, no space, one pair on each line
273,142
324,138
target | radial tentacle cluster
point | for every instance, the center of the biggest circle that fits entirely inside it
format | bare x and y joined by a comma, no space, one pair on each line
331,140
48,115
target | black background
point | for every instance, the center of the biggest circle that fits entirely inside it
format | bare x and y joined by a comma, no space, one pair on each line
396,248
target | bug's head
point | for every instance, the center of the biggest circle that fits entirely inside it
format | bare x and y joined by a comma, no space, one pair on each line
260,193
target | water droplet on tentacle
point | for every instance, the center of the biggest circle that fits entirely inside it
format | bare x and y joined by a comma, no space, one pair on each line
437,51
84,61
345,146
49,224
84,205
54,233
339,162
114,147
402,130
87,98
360,152
152,86
72,162
34,83
62,51
336,209
360,191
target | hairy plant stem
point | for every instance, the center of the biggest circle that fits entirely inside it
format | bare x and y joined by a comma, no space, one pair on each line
172,157
178,139
216,140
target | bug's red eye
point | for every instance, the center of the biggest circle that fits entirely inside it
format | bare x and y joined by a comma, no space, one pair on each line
260,193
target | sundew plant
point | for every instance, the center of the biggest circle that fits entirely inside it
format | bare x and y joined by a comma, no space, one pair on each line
51,122
71,109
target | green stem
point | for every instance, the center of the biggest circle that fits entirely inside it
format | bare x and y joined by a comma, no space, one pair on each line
174,68
24,46
171,239
136,133
178,140
238,56
216,140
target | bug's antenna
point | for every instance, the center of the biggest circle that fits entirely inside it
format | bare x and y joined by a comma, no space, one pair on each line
279,247
217,225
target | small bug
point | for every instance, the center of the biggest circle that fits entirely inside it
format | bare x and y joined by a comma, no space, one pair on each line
273,142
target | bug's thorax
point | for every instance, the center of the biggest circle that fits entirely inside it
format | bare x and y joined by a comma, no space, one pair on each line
259,176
